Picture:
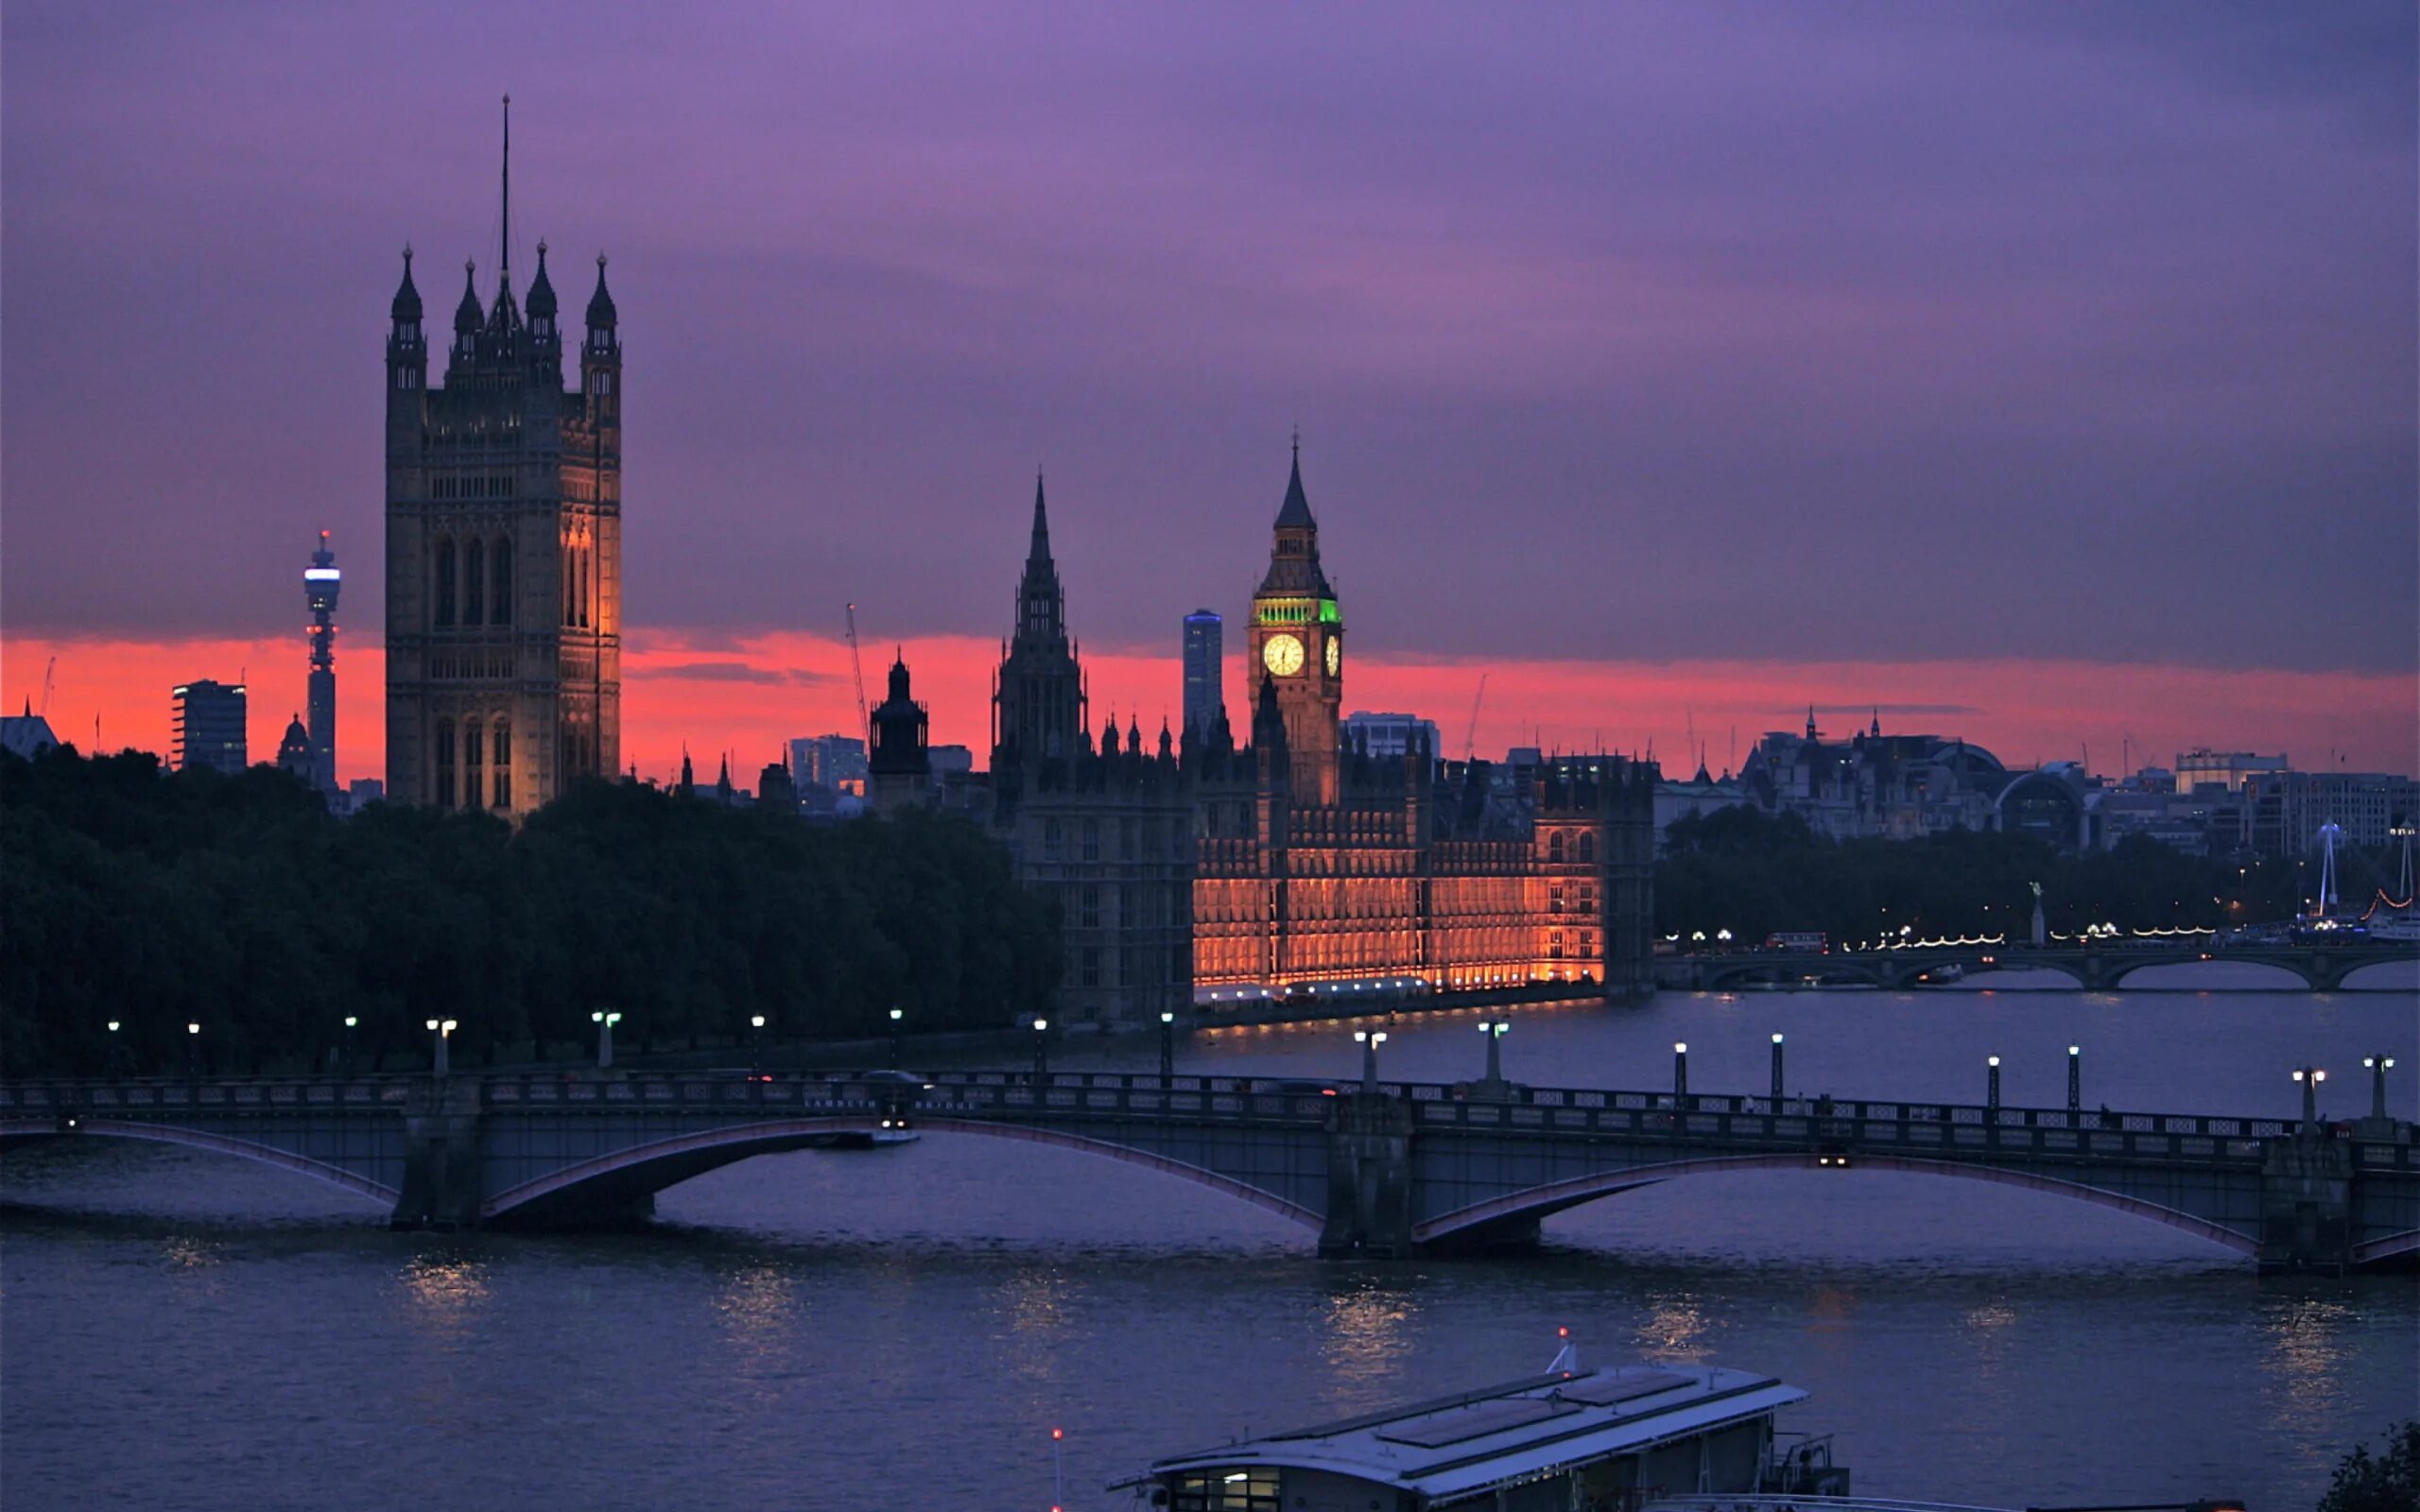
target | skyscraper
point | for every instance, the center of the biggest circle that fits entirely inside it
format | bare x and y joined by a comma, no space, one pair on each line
504,548
210,726
321,582
1205,687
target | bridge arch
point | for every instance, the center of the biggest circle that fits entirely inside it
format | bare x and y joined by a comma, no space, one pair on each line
1747,968
2382,976
202,1139
1538,1202
2403,1247
614,1180
2121,968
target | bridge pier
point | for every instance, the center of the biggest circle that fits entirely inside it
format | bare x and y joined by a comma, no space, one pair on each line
442,1188
1369,1179
2307,1204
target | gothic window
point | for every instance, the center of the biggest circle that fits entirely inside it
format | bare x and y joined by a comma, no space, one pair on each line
571,570
1587,847
1554,847
1089,913
473,751
1126,840
500,563
444,583
1050,839
474,582
503,765
1090,975
444,751
1092,839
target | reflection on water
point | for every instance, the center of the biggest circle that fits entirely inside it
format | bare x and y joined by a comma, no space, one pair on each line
1674,1330
2309,1345
1366,1332
446,1294
757,1308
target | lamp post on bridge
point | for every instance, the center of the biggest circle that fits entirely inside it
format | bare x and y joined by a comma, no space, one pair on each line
755,1043
604,1022
444,1029
1040,1048
1680,1072
2075,1078
193,1052
1168,1047
352,1051
2309,1077
117,1046
1992,1083
898,1026
2379,1066
1370,1041
1776,1070
1495,1033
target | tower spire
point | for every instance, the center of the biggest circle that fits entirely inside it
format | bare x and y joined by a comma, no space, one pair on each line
504,264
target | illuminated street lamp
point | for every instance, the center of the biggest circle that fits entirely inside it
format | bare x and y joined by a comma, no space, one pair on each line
604,1022
1776,1070
755,1042
1992,1082
2075,1078
1370,1041
2310,1076
193,1050
1040,1048
2379,1066
1495,1033
1168,1047
444,1029
1679,1070
116,1047
898,1026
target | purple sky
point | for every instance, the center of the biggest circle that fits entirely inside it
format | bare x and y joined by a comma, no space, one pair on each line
1629,333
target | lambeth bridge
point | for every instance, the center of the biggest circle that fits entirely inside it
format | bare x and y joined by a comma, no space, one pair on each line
2095,968
1376,1169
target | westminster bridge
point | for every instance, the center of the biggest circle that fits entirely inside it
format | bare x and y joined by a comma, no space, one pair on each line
2095,968
1378,1169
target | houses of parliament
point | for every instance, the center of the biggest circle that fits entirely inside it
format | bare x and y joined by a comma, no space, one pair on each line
1188,867
1192,867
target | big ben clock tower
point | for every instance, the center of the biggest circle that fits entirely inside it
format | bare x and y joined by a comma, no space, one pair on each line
1298,643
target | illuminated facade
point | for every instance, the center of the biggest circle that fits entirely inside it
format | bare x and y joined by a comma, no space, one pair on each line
1318,860
504,550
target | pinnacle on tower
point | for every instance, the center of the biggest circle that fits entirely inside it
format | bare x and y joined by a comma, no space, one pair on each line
600,304
1040,551
1295,513
466,315
407,306
541,292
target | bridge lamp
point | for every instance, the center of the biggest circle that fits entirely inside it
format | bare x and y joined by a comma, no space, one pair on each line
2310,1076
1041,1047
114,1026
1776,1070
1495,1033
1167,1046
2379,1066
1992,1082
1723,936
1679,1070
604,1022
444,1029
2075,1078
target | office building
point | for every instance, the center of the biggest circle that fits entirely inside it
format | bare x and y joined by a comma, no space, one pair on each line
1205,671
209,725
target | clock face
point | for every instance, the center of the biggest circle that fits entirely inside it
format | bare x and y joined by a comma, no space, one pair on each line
1282,655
1335,656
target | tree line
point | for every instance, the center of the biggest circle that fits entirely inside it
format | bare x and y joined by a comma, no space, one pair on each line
238,902
1757,875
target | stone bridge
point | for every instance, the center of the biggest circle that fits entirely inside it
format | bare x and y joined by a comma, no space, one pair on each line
1377,1170
2095,969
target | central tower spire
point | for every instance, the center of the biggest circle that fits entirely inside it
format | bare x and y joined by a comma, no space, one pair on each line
504,262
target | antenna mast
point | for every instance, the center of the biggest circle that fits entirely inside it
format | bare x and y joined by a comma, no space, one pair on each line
504,264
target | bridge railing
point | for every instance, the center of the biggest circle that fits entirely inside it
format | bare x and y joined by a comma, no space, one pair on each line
1866,1125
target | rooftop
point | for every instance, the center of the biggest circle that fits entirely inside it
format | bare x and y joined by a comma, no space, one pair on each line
1459,1445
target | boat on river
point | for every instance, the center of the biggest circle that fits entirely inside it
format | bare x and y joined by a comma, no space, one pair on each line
1621,1438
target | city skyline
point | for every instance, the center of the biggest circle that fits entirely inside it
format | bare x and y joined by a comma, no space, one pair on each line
2105,414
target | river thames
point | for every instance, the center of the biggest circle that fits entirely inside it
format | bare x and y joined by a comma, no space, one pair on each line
903,1328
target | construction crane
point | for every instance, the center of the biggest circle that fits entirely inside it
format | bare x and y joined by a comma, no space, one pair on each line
1470,736
47,678
865,720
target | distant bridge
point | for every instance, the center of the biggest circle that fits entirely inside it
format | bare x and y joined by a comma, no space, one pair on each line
1376,1169
2095,969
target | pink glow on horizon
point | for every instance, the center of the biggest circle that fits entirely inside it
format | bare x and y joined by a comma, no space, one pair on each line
748,693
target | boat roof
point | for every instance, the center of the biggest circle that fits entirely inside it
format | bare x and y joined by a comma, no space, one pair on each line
1457,1446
